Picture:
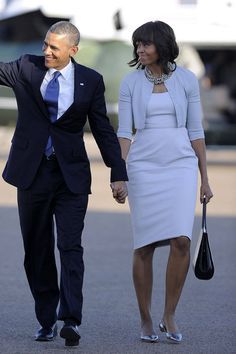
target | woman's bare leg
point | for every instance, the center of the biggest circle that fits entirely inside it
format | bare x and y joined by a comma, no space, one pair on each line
177,269
143,280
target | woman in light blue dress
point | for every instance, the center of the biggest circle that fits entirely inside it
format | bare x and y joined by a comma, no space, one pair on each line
160,102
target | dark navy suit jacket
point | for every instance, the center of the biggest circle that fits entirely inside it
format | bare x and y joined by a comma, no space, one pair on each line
33,127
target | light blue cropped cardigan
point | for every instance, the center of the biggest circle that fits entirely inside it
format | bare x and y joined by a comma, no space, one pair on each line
135,91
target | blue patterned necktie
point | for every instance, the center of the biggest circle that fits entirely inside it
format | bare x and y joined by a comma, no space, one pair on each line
51,100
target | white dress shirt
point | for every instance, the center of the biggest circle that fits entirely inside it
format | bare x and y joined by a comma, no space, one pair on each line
66,83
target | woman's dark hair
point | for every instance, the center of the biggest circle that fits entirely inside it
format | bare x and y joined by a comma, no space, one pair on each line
162,36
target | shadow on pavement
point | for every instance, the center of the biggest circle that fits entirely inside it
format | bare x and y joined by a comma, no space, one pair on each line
206,313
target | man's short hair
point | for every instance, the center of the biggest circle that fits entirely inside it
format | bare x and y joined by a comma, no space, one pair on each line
67,28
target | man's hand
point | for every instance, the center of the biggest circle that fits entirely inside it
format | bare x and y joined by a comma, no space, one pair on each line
119,191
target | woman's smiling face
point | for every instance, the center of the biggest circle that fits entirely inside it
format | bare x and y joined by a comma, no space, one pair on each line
147,53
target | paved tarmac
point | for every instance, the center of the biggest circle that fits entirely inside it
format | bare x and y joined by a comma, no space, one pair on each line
207,311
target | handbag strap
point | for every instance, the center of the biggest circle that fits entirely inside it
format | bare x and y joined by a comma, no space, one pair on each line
204,227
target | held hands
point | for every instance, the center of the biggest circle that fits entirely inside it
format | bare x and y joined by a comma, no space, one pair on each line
205,190
119,191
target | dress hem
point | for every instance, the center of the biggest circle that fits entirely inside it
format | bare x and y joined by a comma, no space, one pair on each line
160,243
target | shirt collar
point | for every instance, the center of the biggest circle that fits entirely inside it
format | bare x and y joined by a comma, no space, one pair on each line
65,72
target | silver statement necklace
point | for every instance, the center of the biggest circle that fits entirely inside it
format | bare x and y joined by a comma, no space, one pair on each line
158,80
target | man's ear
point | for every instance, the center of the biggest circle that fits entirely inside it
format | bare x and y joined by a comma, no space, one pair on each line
74,50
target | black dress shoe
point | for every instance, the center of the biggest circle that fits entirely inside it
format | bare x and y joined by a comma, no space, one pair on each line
46,334
70,332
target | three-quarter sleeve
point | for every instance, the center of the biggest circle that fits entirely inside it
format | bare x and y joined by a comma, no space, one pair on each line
194,110
125,114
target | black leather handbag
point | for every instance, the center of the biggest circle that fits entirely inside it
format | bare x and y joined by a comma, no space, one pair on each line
203,265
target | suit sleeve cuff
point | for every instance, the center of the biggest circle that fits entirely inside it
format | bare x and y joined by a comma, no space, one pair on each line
119,173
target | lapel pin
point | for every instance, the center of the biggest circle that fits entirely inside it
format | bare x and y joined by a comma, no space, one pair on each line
81,84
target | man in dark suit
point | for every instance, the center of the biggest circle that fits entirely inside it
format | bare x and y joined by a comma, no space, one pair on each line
49,166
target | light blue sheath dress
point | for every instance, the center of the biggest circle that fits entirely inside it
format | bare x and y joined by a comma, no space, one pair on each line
163,171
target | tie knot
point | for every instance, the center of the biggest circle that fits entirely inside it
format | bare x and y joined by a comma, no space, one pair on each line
56,74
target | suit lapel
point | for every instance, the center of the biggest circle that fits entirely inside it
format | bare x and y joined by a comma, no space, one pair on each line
80,83
37,79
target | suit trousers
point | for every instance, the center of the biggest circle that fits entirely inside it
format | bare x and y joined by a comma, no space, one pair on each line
47,200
